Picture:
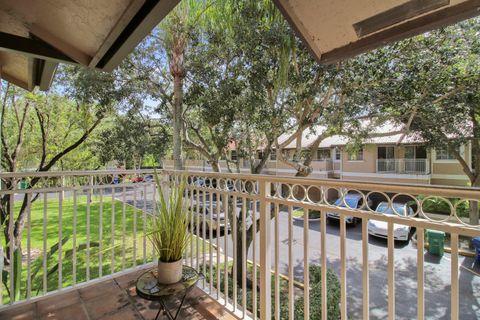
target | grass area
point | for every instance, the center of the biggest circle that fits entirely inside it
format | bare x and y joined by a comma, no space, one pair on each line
312,214
104,241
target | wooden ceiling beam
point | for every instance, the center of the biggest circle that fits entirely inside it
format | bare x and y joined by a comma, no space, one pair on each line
14,80
434,20
32,48
397,14
66,48
122,23
137,29
46,77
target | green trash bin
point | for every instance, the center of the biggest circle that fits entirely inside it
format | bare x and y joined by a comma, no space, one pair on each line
436,242
23,185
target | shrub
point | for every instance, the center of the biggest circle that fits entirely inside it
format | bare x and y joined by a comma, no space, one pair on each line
333,295
438,206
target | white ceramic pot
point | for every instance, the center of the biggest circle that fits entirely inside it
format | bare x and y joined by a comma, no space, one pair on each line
169,272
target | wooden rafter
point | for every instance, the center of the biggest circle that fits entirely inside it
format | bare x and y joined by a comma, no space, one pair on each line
29,47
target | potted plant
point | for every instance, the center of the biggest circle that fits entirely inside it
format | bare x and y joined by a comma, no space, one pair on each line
169,234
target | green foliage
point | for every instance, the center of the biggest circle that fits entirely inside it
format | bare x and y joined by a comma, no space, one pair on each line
333,295
333,292
312,214
129,139
169,234
439,206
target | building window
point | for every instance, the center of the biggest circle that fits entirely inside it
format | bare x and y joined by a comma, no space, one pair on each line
233,155
415,152
446,153
356,156
273,155
386,152
338,154
323,154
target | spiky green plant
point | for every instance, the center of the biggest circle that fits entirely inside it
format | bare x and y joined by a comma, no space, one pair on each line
169,234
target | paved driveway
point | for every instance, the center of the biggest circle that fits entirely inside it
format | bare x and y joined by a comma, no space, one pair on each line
437,273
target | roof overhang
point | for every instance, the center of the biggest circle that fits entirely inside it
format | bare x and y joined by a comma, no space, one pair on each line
340,29
37,35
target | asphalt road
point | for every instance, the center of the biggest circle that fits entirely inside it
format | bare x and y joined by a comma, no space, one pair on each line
437,272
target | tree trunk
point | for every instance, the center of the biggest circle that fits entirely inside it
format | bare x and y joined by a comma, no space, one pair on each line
239,258
474,212
177,121
214,164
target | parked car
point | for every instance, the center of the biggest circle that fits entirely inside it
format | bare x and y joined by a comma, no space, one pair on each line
208,213
149,178
379,228
137,179
352,200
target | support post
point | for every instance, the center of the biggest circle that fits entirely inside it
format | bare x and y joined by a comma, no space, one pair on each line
265,249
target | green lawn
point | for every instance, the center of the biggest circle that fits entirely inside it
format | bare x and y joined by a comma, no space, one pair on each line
100,242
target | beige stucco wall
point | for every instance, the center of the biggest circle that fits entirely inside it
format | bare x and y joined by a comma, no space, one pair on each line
390,180
450,182
368,164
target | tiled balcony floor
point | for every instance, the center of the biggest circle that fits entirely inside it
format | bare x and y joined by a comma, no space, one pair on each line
114,299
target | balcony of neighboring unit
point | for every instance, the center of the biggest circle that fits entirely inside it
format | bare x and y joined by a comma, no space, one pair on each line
404,166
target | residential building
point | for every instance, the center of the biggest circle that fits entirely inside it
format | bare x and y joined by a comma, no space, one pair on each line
385,158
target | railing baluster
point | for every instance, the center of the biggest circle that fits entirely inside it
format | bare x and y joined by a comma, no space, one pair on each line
45,206
254,259
29,245
391,272
365,270
420,275
217,235
144,217
244,256
124,228
11,245
60,240
265,250
204,235
74,252
291,293
277,262
134,226
197,227
154,211
225,245
210,240
323,270
100,235
306,273
454,275
190,188
112,267
343,269
234,273
89,201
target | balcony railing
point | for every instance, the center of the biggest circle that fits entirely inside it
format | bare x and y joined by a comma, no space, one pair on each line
403,166
82,226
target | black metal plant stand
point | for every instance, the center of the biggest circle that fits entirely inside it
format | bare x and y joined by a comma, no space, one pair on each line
148,288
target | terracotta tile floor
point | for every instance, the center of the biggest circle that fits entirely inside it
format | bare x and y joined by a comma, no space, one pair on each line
114,299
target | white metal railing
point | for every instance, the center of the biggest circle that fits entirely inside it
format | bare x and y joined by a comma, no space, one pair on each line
99,220
403,166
